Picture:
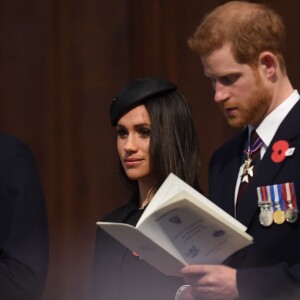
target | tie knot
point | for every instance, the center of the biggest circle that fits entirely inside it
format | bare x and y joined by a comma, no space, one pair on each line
253,137
255,142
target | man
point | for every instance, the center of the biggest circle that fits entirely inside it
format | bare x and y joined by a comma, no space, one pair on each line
241,49
23,224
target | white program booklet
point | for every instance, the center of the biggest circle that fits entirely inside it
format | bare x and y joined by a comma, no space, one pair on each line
180,226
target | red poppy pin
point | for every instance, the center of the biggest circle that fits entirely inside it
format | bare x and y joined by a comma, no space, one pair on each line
280,151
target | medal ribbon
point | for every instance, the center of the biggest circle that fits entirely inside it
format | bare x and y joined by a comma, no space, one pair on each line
293,195
289,194
254,147
277,196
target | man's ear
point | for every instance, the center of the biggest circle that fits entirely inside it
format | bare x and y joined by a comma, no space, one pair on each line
269,63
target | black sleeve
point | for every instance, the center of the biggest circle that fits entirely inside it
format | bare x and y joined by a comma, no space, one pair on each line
23,224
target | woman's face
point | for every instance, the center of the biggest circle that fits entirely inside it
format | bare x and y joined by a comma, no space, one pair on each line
133,138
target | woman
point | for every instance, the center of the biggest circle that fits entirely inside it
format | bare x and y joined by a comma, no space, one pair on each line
155,136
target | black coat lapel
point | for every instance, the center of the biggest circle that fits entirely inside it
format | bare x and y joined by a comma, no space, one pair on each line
224,172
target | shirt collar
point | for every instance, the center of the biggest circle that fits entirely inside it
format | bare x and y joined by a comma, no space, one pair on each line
268,127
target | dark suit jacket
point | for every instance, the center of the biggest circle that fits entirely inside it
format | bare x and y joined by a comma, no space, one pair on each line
119,275
270,268
23,224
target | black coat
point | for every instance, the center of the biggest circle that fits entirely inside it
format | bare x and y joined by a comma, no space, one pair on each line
23,224
120,275
270,268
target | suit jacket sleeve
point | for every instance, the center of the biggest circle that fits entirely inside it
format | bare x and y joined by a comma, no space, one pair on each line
23,224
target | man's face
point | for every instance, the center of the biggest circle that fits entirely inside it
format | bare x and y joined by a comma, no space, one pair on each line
239,89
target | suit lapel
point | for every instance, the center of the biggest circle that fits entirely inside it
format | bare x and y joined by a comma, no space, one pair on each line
230,169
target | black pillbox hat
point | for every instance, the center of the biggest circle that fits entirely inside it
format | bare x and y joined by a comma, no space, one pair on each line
136,92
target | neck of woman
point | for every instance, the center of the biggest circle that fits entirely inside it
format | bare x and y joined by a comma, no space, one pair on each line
146,193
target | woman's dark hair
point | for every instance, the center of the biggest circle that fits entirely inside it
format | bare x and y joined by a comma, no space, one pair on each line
173,140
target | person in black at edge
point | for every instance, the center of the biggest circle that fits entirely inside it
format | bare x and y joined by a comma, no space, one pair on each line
155,136
23,224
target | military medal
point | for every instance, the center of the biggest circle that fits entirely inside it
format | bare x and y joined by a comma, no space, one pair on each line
291,214
248,165
266,215
247,168
279,215
277,204
266,207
